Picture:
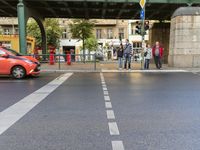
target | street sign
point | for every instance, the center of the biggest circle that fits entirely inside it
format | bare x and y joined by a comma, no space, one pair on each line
142,3
142,14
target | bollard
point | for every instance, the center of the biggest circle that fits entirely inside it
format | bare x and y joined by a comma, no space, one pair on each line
51,59
68,59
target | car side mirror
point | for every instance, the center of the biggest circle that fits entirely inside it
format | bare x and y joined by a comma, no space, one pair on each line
4,55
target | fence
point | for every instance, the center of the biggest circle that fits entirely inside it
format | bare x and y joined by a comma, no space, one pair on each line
78,61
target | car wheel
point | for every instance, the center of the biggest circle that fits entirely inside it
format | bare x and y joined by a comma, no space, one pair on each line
18,72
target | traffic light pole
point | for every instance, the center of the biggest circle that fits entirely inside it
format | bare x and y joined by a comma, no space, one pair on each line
143,39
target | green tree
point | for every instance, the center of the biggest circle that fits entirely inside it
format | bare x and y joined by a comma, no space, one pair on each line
53,31
91,44
82,30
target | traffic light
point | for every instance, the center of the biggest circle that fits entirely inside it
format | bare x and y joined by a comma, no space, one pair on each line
138,28
146,25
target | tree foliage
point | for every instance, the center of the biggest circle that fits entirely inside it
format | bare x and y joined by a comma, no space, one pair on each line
53,31
81,28
91,44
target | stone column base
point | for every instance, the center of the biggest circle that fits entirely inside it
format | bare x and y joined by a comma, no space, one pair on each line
184,60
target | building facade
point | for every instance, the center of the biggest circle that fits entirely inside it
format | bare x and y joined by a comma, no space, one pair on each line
9,26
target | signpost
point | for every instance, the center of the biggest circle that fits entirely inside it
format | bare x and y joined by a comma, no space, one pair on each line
142,17
142,3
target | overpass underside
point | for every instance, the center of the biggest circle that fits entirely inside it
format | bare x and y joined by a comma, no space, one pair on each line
104,9
89,9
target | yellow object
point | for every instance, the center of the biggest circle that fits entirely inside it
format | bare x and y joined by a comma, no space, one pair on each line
142,3
12,41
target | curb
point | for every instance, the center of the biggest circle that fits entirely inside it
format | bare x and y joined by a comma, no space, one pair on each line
116,71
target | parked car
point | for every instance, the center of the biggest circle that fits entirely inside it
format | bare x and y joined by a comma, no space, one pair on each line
99,55
17,65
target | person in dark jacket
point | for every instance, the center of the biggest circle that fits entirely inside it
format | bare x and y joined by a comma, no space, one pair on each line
127,54
120,56
158,54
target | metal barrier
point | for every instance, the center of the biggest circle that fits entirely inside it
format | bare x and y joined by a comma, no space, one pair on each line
60,61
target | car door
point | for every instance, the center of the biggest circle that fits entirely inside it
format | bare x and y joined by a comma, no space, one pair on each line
3,63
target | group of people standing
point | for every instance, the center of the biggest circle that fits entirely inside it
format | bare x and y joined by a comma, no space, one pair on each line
125,54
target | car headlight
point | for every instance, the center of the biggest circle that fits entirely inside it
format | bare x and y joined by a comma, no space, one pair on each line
29,62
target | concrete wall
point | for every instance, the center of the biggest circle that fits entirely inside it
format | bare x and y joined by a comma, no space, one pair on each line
185,41
161,32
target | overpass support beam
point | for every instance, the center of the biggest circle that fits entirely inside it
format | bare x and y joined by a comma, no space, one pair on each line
22,19
24,14
184,48
40,21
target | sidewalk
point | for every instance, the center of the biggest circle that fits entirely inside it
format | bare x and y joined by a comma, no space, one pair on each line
109,67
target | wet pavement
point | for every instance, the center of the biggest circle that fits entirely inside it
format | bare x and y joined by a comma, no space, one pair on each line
102,111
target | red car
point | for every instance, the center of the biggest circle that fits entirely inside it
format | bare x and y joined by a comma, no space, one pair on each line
17,65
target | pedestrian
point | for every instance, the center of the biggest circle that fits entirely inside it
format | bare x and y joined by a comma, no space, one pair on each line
120,56
158,54
147,56
127,54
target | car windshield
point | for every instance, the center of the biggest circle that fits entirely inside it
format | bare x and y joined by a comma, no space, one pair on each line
13,52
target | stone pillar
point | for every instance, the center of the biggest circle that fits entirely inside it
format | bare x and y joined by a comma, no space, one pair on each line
185,38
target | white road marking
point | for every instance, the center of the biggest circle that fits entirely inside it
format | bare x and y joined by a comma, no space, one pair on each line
108,104
105,92
110,114
12,114
117,145
105,89
103,85
106,98
113,128
103,82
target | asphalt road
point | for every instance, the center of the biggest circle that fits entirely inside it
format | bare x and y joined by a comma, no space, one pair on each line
109,111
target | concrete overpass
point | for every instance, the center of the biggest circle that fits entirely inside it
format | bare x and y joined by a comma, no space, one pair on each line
104,9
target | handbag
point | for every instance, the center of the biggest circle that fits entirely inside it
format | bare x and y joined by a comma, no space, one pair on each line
145,54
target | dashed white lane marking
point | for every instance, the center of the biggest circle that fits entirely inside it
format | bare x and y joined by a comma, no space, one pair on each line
11,115
117,145
110,114
108,105
105,89
105,92
106,98
103,85
113,128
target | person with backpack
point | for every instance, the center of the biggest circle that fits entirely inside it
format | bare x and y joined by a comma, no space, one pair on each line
127,55
147,56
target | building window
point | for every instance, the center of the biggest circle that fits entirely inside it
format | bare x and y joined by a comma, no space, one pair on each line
16,31
110,33
64,34
6,31
98,33
121,33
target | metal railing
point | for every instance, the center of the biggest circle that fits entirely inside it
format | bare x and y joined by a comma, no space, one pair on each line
61,59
